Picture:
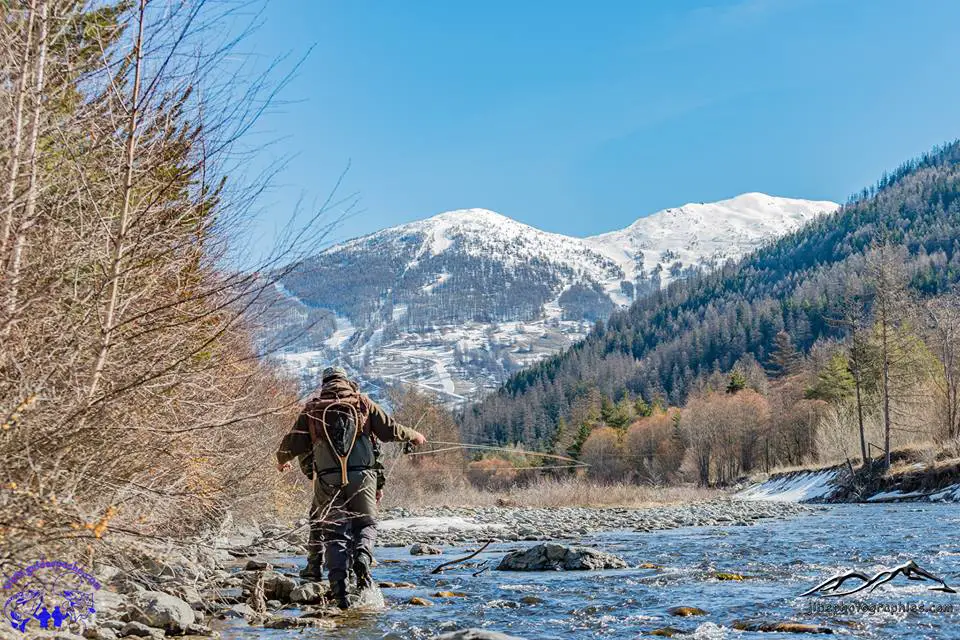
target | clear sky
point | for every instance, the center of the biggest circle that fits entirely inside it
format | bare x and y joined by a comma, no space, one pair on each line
579,117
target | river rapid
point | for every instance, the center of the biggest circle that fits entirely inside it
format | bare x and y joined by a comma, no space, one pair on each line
779,560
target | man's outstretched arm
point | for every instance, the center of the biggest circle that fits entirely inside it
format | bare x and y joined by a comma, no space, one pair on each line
389,430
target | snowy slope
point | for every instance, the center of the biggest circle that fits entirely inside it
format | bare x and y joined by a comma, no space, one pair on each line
705,234
800,486
457,302
487,234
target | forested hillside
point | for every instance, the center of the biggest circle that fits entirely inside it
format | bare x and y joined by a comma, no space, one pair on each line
802,286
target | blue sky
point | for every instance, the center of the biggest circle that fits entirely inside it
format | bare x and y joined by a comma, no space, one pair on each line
579,117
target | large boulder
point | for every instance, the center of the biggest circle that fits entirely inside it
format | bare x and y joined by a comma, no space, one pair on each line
308,593
161,610
557,557
476,634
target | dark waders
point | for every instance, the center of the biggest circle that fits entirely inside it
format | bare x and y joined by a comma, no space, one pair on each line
349,529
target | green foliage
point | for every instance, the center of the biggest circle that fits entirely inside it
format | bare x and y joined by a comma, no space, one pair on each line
577,447
619,415
835,382
642,408
738,381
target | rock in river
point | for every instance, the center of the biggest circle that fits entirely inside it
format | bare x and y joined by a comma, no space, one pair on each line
425,550
308,593
551,556
782,627
276,586
156,609
475,634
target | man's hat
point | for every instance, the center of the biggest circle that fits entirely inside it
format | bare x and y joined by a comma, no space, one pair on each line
334,372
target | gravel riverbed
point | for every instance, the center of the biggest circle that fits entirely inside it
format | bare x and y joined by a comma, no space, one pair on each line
458,525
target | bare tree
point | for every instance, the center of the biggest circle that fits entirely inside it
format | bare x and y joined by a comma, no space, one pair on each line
888,280
133,398
943,330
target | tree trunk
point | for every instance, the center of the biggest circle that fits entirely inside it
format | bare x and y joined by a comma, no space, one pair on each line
886,393
863,435
20,237
110,320
15,150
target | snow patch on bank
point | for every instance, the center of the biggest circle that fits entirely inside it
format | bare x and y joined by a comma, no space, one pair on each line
450,524
948,494
802,486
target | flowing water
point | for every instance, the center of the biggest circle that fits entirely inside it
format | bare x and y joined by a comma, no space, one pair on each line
780,559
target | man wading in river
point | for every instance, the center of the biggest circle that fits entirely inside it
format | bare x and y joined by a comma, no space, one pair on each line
313,571
336,427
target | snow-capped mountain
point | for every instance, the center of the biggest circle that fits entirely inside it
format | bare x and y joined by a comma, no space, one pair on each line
456,302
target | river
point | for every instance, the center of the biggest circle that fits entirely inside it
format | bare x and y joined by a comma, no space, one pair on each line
779,559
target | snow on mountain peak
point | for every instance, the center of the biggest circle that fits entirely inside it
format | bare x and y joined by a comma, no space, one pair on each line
470,215
702,234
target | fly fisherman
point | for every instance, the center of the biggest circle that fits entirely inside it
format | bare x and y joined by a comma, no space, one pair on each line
313,571
336,427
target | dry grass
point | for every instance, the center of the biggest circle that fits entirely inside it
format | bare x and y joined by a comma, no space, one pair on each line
547,493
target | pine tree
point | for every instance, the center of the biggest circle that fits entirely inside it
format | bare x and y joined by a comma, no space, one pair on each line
642,408
738,381
577,447
555,445
835,383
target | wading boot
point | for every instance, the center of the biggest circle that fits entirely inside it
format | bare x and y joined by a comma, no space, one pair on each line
338,591
314,569
361,567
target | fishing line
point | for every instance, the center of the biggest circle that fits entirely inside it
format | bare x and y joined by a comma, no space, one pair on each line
452,446
393,464
486,447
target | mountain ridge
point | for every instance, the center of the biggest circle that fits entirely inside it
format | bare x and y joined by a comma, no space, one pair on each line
458,301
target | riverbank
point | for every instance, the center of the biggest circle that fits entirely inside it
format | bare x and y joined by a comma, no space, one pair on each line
407,489
909,480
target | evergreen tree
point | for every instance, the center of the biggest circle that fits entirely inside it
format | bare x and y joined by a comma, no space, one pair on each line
642,408
835,382
577,447
738,381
